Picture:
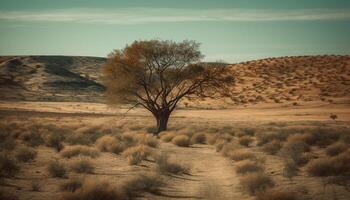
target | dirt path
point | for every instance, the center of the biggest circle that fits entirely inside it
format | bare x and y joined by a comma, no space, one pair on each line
211,175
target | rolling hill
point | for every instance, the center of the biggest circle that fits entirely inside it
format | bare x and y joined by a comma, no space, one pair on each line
273,80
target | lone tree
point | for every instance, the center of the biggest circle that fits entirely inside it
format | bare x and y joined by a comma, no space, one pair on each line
158,74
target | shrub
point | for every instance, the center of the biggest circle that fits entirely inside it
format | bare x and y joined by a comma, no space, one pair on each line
247,166
198,138
272,147
256,182
8,165
152,129
82,165
264,138
76,150
35,186
242,155
6,195
290,168
94,190
109,143
146,139
167,136
181,140
141,183
165,165
25,154
55,140
245,140
295,151
137,154
330,166
323,136
56,169
248,132
336,148
71,185
274,194
32,138
7,144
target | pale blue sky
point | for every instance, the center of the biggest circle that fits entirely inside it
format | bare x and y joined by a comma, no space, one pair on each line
232,31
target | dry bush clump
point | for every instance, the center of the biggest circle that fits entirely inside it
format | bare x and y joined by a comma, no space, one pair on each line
109,143
8,165
137,154
7,143
6,195
198,138
323,137
94,190
141,183
295,150
245,140
336,148
211,138
241,154
248,166
181,140
264,138
82,165
79,150
166,165
256,182
272,147
167,136
146,139
246,132
25,154
71,185
86,135
55,140
330,166
278,194
56,169
32,138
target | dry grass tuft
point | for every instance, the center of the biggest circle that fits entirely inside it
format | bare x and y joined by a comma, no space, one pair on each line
141,183
272,147
79,150
71,185
137,154
181,140
245,140
82,165
248,166
32,138
94,190
25,154
330,166
109,143
8,165
274,194
166,165
55,140
56,169
241,154
336,148
198,138
167,136
146,139
255,183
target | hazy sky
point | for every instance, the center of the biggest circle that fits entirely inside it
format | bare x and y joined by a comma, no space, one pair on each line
229,30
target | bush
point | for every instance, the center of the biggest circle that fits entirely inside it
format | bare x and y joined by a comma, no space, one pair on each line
245,140
146,139
71,185
137,154
25,154
165,165
79,150
55,140
272,147
255,183
290,168
35,186
330,166
32,138
198,138
94,190
295,151
241,155
264,138
141,183
274,194
56,169
323,137
8,165
152,129
7,143
82,165
247,132
181,140
336,148
167,136
109,143
247,166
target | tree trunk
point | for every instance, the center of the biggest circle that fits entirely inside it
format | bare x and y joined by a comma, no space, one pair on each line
162,121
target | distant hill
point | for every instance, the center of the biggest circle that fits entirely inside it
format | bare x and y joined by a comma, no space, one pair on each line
272,80
50,78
